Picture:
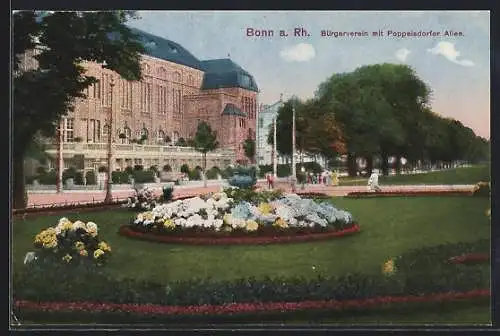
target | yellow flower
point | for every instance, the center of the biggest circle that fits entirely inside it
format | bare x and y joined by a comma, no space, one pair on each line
388,267
148,215
252,225
67,258
83,253
79,245
47,238
50,244
265,208
168,224
104,246
228,219
98,253
281,223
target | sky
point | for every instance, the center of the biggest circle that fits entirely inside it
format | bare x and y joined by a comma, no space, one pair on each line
456,67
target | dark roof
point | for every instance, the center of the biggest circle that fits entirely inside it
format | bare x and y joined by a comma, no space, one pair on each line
231,109
167,50
224,73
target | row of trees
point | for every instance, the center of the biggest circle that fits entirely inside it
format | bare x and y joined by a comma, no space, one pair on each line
376,111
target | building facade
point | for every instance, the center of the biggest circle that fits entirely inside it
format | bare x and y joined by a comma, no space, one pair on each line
267,113
177,91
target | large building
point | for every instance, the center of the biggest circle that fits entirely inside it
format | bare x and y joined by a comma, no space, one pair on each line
176,93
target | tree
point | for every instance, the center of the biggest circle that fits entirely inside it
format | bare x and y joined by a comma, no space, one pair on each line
205,141
249,148
63,40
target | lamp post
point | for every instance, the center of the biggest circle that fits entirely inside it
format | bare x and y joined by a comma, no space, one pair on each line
108,198
294,168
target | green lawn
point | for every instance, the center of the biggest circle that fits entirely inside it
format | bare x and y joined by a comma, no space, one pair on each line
465,175
390,226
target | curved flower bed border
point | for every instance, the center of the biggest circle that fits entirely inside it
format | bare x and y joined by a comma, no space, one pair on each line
470,258
127,232
244,308
77,207
367,194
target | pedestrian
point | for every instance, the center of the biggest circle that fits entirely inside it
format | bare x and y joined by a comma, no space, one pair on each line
320,178
272,181
268,178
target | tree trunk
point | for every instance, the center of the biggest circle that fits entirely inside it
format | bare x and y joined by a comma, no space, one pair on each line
351,165
19,190
204,170
397,164
384,164
369,165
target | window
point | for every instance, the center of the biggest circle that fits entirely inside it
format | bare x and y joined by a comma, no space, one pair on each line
68,129
162,73
177,76
176,137
96,90
126,95
105,130
191,80
247,82
107,90
177,102
93,130
161,136
162,99
146,97
128,133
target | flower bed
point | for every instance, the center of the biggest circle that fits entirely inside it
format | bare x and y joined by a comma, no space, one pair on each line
416,276
315,195
365,194
69,243
238,240
21,306
470,258
252,218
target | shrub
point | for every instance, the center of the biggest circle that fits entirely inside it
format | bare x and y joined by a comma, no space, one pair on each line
40,170
194,175
227,173
185,169
129,170
418,272
264,169
212,173
90,177
154,168
167,168
141,176
102,169
120,177
69,173
138,168
79,178
142,201
48,178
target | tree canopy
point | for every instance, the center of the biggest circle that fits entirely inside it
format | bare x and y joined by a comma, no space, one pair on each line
205,140
63,41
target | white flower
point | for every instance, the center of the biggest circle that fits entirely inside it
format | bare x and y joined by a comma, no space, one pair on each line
78,225
91,227
29,257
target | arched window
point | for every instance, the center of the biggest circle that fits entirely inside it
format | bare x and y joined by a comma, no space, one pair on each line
161,136
191,80
145,132
105,130
162,72
128,133
176,137
177,76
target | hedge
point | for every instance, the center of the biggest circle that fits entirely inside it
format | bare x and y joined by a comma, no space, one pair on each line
418,272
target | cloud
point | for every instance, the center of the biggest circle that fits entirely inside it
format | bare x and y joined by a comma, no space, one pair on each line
302,52
448,51
402,54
